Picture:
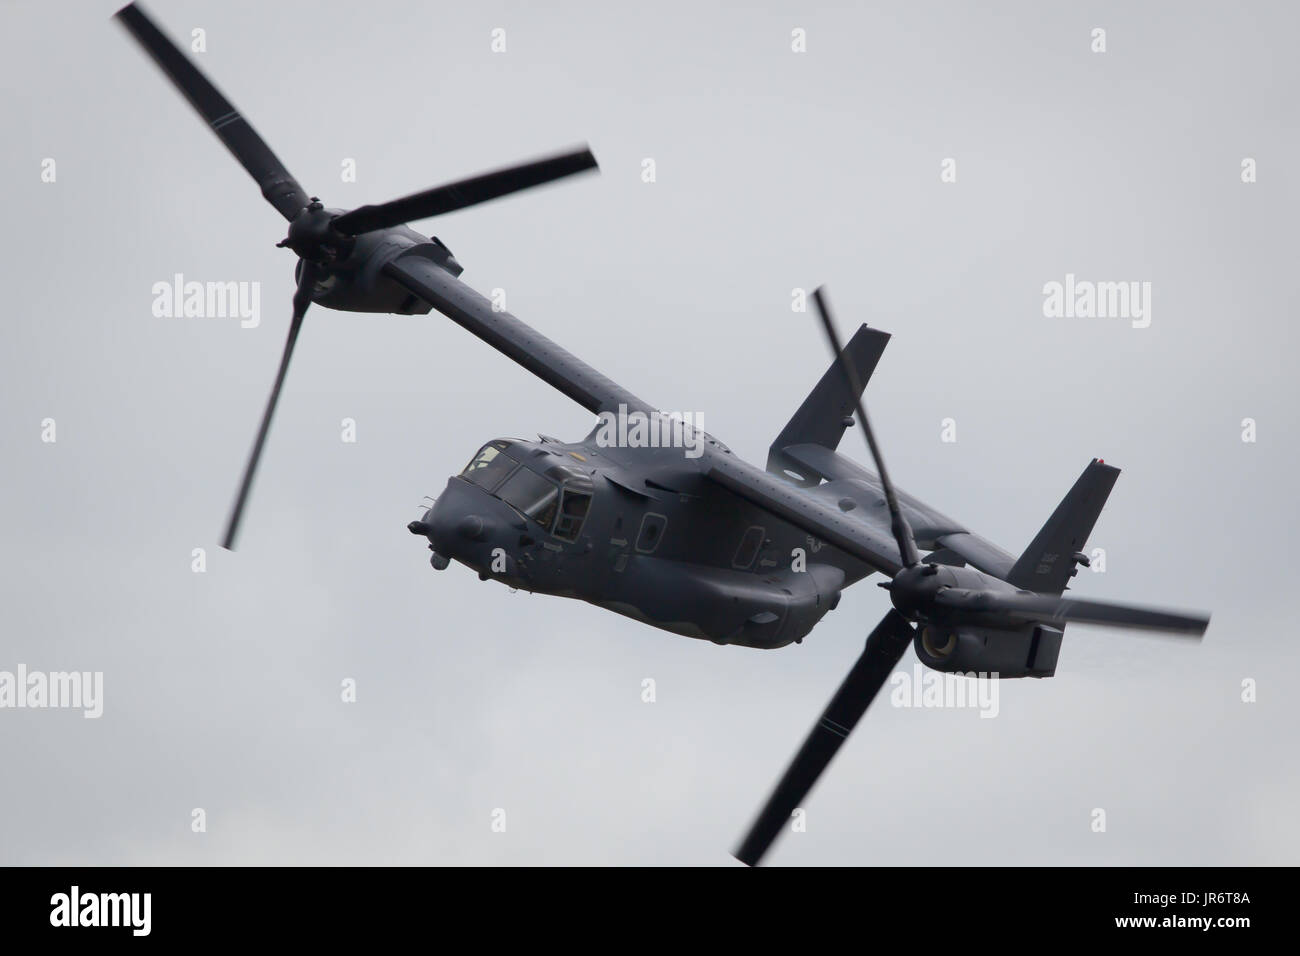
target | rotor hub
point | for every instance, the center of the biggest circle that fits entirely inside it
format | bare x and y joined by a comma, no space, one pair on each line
312,235
913,589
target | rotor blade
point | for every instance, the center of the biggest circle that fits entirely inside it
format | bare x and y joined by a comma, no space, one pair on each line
884,648
897,523
466,192
278,186
301,300
1048,609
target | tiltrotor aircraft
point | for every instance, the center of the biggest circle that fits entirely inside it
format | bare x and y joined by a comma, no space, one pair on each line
684,535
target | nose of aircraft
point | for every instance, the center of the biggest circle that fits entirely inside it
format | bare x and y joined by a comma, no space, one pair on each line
457,525
444,531
443,527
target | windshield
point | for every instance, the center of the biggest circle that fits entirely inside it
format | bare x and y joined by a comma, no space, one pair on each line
489,466
531,494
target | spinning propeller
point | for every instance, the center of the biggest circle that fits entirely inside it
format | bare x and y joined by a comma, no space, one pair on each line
917,595
319,237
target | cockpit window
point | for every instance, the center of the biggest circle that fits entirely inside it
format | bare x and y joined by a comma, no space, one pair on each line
573,509
489,466
531,494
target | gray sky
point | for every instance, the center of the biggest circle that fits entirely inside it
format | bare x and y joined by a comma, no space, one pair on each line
775,170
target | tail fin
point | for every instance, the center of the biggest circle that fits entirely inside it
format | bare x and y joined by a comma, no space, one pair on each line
821,418
1048,563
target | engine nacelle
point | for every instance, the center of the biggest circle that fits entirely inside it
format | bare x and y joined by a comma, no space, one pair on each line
359,285
1028,652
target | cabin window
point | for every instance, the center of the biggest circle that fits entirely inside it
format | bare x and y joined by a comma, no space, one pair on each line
532,495
748,548
652,531
573,511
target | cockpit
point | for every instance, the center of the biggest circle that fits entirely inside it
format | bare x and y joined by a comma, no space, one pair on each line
555,496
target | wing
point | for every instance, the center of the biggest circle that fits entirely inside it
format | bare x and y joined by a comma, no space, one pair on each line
513,338
597,393
845,531
926,522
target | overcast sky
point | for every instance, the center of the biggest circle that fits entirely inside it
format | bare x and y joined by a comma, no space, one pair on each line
774,170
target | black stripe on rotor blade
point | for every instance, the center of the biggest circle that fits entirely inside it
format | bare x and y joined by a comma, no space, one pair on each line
301,300
884,648
279,188
902,531
465,192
